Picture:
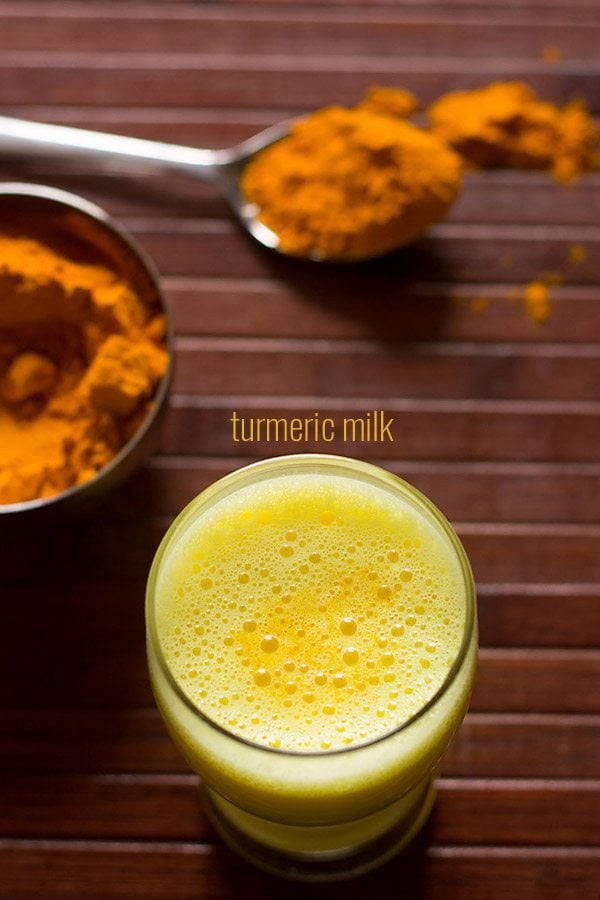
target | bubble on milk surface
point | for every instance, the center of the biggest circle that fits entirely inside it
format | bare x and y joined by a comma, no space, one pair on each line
336,614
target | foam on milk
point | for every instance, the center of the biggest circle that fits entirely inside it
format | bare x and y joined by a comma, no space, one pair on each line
310,612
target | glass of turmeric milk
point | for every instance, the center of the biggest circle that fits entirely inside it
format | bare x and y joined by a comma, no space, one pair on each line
312,641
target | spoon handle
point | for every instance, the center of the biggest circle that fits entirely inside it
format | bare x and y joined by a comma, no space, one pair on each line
34,140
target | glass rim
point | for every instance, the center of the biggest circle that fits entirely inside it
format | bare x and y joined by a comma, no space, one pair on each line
226,485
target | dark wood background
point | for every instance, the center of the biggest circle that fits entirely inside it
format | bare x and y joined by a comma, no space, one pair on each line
496,418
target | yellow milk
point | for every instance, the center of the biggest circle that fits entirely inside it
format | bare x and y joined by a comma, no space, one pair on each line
312,648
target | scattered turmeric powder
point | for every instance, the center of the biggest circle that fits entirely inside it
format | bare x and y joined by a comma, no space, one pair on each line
537,300
80,360
389,101
551,53
577,254
479,303
352,183
506,124
536,296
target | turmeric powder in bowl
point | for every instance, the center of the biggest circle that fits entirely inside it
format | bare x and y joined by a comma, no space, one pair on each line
81,359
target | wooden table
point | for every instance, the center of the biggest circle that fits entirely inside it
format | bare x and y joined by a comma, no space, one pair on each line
496,419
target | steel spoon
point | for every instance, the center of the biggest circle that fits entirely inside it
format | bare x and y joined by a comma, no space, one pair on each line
34,140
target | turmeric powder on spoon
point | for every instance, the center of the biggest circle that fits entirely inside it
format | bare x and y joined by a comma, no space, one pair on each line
353,183
80,360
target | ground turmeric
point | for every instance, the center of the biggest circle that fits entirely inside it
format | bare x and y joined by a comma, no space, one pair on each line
389,101
536,298
352,183
506,124
80,360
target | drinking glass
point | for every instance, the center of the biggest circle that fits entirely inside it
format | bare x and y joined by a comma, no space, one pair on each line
319,814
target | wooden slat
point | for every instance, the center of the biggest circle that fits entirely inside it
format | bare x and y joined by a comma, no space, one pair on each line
66,740
166,808
486,492
532,553
537,680
496,196
37,741
254,82
395,33
252,308
513,812
366,369
498,6
369,11
539,615
427,429
525,745
101,871
452,251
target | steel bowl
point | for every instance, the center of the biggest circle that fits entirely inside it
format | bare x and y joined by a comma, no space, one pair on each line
83,231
